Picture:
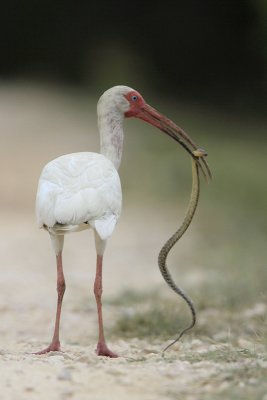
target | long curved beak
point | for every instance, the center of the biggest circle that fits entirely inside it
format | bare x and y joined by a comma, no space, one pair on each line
153,117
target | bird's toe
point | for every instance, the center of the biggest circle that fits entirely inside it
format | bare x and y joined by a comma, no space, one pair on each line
103,350
51,347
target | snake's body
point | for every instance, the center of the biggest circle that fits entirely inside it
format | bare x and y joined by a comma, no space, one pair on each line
176,236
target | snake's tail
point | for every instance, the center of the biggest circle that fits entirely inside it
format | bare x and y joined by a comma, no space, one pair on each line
166,275
171,242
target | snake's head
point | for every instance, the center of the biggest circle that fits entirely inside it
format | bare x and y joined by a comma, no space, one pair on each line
199,153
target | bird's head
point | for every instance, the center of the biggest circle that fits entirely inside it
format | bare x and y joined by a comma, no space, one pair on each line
121,99
129,103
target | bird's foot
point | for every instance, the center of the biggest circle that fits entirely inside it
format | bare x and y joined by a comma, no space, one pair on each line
52,347
103,350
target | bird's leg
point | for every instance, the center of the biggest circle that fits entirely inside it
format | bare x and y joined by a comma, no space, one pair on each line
55,343
102,349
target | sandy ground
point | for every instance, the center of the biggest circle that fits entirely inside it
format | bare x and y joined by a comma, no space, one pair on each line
35,127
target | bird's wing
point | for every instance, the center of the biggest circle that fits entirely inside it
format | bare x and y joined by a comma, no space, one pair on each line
78,188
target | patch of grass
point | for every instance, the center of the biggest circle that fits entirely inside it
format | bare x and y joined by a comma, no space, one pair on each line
221,355
132,297
149,315
150,323
148,319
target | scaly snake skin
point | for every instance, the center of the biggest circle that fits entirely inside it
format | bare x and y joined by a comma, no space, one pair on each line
176,236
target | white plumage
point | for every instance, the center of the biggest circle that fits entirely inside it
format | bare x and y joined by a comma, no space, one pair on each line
78,191
82,190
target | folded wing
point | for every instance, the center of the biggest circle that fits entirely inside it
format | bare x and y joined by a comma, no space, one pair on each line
79,188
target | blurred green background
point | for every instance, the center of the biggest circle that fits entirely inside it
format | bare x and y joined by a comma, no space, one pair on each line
203,64
206,51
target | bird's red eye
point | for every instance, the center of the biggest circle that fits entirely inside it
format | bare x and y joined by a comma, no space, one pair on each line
134,97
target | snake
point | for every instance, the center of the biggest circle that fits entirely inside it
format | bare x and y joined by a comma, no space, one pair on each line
163,254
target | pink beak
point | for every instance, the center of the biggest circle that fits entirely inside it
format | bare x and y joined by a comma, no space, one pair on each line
153,117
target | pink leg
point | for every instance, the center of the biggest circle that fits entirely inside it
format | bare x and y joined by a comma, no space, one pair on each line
55,343
102,349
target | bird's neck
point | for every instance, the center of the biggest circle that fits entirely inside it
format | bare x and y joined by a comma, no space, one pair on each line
111,136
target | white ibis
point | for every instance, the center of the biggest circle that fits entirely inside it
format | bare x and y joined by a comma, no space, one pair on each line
82,190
